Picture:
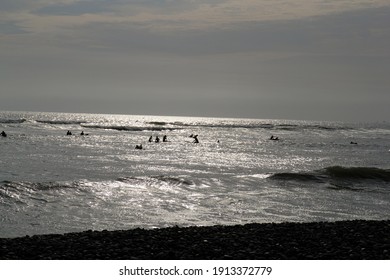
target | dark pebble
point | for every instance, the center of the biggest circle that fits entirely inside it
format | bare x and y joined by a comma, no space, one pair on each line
285,241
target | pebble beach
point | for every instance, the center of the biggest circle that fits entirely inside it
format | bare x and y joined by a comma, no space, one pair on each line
352,240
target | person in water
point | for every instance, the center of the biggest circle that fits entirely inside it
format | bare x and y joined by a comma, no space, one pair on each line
69,133
274,138
151,138
157,139
165,138
138,147
195,138
3,134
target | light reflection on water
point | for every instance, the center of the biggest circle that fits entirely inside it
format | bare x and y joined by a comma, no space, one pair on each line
101,181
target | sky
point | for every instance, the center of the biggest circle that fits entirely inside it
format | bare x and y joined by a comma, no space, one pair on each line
266,59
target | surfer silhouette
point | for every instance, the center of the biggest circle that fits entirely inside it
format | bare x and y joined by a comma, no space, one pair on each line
195,139
3,134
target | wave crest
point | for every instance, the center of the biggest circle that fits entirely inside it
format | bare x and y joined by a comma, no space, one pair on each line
340,177
126,128
360,173
60,122
12,121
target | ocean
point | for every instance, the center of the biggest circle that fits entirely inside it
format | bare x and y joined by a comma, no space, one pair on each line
51,182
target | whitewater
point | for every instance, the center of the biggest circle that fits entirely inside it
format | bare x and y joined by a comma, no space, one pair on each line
51,182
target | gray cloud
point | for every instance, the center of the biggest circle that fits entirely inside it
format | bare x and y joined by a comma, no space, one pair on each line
332,66
131,6
11,27
356,32
14,5
75,8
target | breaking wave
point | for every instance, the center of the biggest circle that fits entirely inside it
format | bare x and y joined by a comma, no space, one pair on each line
359,173
339,172
354,178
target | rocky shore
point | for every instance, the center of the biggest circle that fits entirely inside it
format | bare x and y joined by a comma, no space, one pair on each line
284,241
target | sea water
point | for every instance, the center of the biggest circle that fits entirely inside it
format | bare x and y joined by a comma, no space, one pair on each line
51,182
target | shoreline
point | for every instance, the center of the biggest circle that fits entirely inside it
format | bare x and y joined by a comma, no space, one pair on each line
349,240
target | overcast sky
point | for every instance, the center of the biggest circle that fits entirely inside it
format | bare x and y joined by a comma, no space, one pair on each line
285,59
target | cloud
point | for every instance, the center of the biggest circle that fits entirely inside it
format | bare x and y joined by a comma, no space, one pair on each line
163,15
97,27
354,32
10,27
15,5
75,8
